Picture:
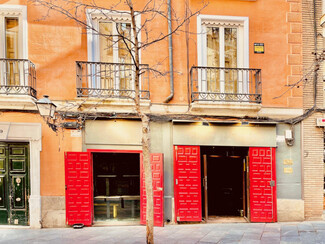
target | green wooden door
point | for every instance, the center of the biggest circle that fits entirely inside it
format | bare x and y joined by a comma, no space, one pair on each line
14,183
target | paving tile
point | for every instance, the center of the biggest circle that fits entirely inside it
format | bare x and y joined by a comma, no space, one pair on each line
249,236
227,241
291,239
232,237
211,239
164,241
204,242
273,235
270,241
272,228
319,225
289,233
250,242
305,227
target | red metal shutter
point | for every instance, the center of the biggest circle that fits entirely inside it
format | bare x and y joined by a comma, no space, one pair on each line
78,193
157,167
187,185
262,179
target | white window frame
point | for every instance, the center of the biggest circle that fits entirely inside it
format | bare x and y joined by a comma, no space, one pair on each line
20,12
242,42
94,17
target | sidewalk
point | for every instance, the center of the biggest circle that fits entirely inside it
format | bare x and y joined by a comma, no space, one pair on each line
250,233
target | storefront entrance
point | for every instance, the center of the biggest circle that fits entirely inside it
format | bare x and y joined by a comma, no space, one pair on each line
218,181
116,179
224,185
108,186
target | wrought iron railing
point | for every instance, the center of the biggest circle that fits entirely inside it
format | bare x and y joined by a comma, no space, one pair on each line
226,84
17,77
111,80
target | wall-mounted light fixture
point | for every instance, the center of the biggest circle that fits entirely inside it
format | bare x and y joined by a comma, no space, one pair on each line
47,109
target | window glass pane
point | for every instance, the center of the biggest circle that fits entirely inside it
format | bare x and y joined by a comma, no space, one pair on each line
230,47
12,38
12,51
106,55
231,60
106,42
213,59
213,47
123,52
124,57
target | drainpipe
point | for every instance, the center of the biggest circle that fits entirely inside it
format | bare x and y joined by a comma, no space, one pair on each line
315,40
170,49
322,24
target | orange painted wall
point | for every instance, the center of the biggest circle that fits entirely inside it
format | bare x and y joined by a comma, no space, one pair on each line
55,43
52,154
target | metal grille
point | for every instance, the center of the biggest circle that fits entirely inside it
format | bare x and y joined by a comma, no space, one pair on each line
226,84
115,80
17,77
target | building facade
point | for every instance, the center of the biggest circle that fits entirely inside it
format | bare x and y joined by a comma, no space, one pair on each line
226,95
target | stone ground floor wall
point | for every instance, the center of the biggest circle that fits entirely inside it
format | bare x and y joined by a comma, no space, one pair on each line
290,210
53,211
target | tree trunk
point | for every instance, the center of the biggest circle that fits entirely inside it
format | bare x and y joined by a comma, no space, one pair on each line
145,133
148,177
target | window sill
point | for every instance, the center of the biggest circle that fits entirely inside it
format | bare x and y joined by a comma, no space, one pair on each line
17,102
99,105
225,108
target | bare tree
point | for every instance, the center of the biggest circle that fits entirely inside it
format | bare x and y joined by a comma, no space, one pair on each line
151,10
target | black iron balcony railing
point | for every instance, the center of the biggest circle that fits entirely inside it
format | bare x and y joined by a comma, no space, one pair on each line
17,77
226,84
111,80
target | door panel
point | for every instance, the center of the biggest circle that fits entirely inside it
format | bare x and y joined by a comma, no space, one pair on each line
157,167
4,188
78,194
205,185
187,185
2,192
262,184
18,165
14,183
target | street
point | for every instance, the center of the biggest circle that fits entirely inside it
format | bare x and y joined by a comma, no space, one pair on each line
250,233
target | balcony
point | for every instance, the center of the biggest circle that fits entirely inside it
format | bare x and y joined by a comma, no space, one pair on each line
235,85
110,80
17,77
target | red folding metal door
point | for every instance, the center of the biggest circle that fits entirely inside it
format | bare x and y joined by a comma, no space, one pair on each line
262,179
78,188
157,167
187,183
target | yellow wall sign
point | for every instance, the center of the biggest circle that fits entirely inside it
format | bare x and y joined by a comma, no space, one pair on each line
288,162
287,170
259,48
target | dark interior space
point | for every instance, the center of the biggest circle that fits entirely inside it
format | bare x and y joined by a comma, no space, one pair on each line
116,186
225,180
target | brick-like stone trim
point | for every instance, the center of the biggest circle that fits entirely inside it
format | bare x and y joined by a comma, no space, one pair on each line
294,57
313,145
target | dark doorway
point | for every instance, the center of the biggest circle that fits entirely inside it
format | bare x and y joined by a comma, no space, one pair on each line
225,180
116,186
